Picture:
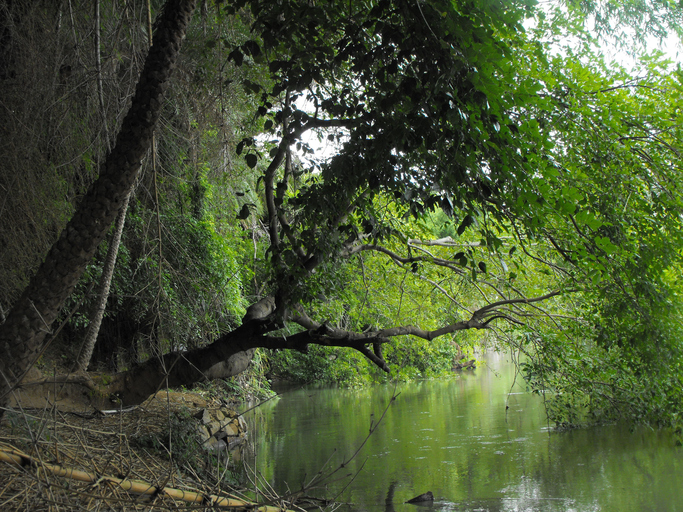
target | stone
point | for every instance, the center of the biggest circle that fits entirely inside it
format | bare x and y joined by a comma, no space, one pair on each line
203,432
231,429
214,444
204,416
220,428
234,442
213,426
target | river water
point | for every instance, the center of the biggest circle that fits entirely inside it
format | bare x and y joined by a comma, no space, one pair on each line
476,441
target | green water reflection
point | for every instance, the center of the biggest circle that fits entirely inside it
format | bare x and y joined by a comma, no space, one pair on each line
456,439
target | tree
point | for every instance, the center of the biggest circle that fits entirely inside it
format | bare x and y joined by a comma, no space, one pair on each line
617,152
29,319
432,108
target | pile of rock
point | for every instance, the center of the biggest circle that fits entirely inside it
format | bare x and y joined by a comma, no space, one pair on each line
220,429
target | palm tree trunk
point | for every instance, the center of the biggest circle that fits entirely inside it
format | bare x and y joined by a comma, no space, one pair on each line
103,293
29,320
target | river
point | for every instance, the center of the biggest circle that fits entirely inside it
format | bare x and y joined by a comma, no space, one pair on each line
476,441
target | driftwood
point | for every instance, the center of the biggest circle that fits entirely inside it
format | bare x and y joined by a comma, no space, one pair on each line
467,365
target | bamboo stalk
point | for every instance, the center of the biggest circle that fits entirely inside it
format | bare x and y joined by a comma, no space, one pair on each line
18,458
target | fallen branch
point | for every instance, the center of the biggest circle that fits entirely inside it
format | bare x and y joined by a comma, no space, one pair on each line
16,457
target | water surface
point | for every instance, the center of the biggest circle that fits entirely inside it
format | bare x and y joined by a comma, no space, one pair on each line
476,441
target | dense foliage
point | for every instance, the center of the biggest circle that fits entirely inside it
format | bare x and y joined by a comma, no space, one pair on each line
391,171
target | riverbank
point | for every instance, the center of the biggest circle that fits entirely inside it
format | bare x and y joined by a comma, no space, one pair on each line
52,459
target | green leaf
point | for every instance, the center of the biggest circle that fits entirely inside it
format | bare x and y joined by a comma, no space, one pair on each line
252,48
236,56
467,221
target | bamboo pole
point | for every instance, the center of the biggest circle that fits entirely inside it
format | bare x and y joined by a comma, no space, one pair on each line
18,458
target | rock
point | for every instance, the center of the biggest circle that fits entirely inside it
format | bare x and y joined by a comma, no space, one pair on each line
203,432
231,429
235,442
428,496
220,428
214,444
214,426
204,416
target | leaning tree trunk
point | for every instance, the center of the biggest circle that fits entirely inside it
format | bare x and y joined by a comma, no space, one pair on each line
228,355
103,293
23,333
97,314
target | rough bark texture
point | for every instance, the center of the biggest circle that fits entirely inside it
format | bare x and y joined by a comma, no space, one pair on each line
29,320
103,292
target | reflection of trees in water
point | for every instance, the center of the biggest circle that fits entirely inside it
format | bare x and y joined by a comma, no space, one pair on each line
389,502
455,438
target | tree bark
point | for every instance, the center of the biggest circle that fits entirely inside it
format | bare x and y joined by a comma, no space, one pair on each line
29,320
97,314
103,292
227,356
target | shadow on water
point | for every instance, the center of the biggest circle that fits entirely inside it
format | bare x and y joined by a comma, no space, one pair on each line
456,438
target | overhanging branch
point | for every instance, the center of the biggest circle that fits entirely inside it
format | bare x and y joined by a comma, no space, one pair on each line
326,335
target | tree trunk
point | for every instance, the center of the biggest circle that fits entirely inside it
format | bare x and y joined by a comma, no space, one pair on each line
103,291
227,356
29,320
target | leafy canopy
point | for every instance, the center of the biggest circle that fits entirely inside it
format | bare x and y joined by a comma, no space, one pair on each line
455,107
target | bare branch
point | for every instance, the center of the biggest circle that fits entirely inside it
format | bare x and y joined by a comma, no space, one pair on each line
404,260
325,335
329,337
446,242
521,300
